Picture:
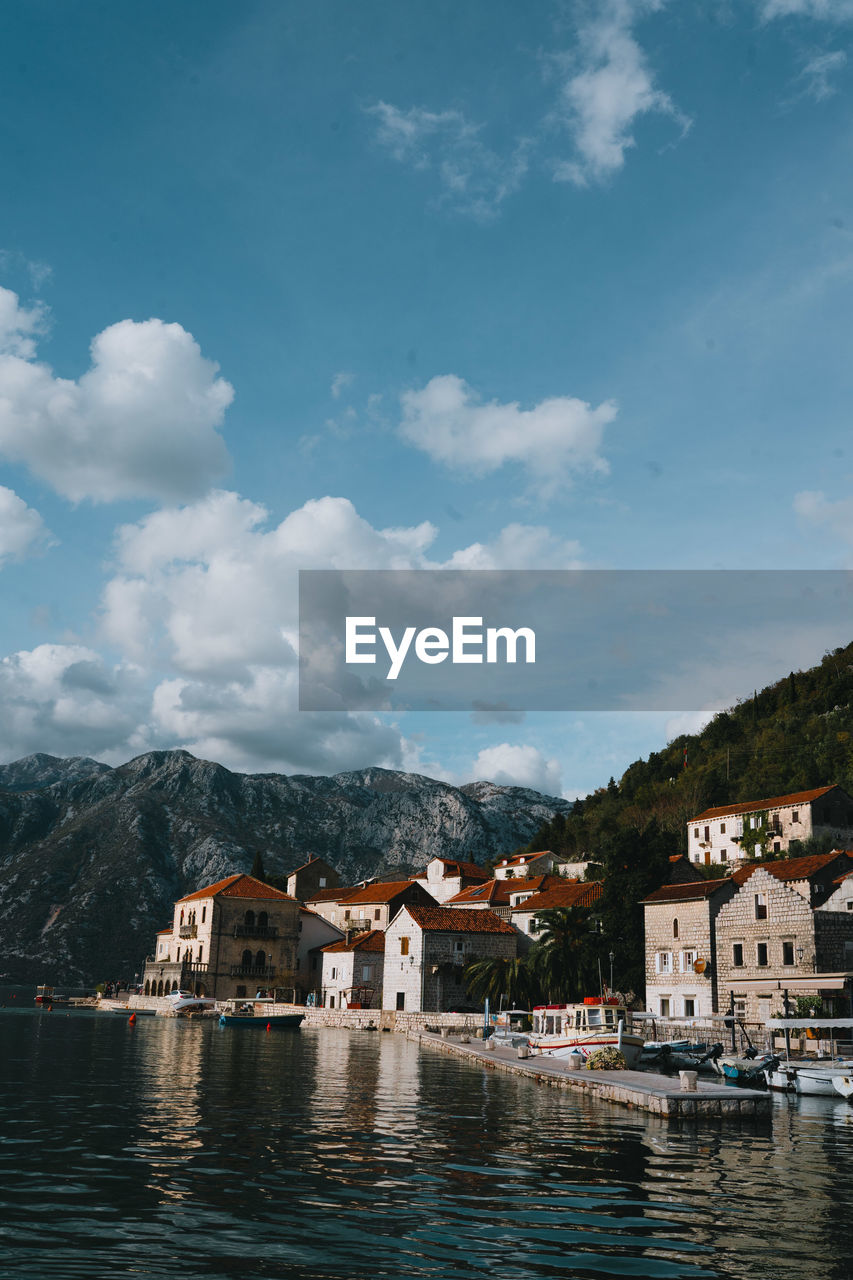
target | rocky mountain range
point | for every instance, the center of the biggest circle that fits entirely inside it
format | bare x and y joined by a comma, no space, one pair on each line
92,857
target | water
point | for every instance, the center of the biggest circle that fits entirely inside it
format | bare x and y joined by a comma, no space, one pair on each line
178,1149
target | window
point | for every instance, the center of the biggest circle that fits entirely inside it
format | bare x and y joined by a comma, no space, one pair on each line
664,1006
795,816
687,958
696,857
787,953
777,847
707,833
690,1006
203,911
365,972
377,913
401,1000
696,833
761,954
723,856
737,955
331,1002
740,1008
322,882
663,962
760,907
346,915
459,946
722,828
404,948
850,904
675,928
334,974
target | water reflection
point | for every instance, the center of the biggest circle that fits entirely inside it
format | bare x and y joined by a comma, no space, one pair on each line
179,1148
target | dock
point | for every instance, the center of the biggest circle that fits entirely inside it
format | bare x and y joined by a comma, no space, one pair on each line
641,1090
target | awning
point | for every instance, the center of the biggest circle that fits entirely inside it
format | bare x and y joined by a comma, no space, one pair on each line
801,1024
814,982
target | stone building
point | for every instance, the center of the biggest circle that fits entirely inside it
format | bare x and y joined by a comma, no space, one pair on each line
783,930
314,934
227,940
526,864
314,874
368,906
352,972
501,896
444,877
717,834
526,914
427,949
681,942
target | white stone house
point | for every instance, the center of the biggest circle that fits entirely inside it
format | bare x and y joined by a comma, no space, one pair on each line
715,834
502,896
427,950
526,913
353,971
787,928
444,877
680,948
314,934
525,864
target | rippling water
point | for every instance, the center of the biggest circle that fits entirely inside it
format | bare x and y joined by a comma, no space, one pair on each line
178,1149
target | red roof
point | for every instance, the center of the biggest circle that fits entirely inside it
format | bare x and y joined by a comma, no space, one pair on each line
499,891
383,891
456,868
331,895
791,868
568,894
521,859
454,920
775,802
238,887
373,940
845,875
159,931
694,891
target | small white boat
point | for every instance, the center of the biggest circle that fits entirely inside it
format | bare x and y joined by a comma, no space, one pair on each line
186,1002
600,1022
815,1079
511,1028
844,1086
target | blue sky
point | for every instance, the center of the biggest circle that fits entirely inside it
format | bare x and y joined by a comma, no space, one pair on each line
374,286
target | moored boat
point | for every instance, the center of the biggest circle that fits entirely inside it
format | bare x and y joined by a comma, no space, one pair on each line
246,1015
749,1070
511,1028
844,1086
600,1022
186,1002
814,1079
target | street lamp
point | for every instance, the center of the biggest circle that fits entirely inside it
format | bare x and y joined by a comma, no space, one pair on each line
800,954
612,958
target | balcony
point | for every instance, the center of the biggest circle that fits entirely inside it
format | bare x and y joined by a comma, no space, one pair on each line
252,971
255,931
187,931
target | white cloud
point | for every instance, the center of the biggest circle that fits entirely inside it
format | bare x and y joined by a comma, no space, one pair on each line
831,10
19,326
519,546
554,439
140,423
22,530
817,72
815,508
340,382
473,178
607,87
518,766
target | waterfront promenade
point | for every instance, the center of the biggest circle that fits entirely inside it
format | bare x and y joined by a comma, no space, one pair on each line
641,1090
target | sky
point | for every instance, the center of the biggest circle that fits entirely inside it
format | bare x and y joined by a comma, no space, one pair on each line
378,286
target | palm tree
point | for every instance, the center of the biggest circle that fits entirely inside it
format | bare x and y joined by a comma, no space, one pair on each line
499,976
563,956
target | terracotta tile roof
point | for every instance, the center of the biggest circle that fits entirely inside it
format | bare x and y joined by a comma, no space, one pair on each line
499,891
791,868
845,875
384,891
331,895
753,806
159,931
373,940
310,863
568,894
522,859
454,920
694,891
238,887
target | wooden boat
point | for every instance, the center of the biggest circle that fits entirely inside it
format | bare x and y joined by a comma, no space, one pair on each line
749,1070
600,1022
47,995
815,1079
246,1015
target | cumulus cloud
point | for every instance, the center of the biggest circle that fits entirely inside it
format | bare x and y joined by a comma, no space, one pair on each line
519,546
472,177
142,422
815,508
606,87
22,529
510,765
554,439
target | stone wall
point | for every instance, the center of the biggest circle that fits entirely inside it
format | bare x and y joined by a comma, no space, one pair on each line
695,933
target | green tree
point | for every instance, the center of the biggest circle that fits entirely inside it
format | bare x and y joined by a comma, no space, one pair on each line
258,872
565,954
499,976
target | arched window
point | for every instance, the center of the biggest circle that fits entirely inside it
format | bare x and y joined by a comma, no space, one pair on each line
675,928
182,915
250,919
260,960
174,986
246,961
160,988
147,987
199,954
203,914
263,919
